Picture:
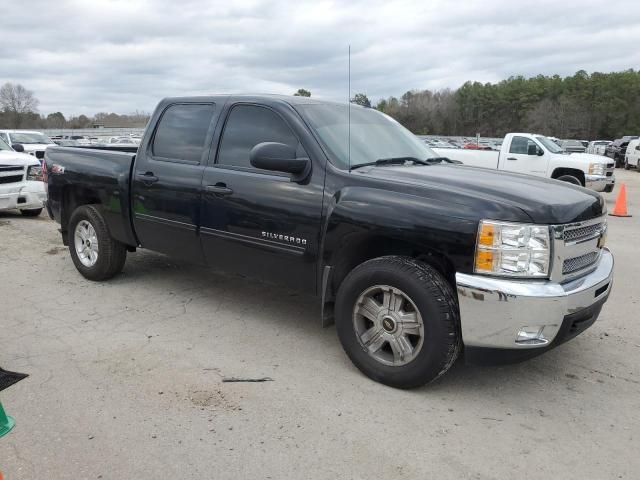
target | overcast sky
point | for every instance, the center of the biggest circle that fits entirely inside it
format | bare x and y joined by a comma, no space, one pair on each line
121,56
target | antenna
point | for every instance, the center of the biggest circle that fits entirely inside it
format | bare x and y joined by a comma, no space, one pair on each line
349,111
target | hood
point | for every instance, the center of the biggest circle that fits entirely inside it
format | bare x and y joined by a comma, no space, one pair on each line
588,158
543,200
7,157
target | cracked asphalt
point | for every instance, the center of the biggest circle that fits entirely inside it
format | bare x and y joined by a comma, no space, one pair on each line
126,381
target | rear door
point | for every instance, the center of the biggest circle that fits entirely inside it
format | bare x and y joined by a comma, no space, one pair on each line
256,222
167,179
520,157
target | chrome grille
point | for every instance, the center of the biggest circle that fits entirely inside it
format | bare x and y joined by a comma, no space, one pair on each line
574,264
576,248
11,179
582,233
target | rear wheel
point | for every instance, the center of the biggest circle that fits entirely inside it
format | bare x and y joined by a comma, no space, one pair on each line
626,164
31,212
95,254
397,320
570,179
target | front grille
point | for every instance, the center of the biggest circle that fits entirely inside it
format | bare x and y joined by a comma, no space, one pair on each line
10,168
583,233
11,179
574,264
40,154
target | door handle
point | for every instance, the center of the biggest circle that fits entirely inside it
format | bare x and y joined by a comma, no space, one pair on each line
219,189
147,178
512,158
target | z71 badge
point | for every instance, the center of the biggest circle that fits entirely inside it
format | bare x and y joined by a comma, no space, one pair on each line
285,238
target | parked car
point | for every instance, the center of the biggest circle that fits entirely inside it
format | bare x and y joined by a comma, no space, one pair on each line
27,141
538,155
413,257
598,147
475,146
618,148
632,154
81,139
573,146
21,182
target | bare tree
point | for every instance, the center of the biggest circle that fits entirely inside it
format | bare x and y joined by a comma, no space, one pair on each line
16,101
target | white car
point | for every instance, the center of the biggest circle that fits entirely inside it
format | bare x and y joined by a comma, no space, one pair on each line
33,143
538,155
632,155
21,182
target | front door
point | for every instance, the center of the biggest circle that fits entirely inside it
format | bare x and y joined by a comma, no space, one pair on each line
256,222
523,157
167,181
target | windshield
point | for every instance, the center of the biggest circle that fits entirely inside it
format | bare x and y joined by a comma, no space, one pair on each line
374,135
4,145
23,137
549,144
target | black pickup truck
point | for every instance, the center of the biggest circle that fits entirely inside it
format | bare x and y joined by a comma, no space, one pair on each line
416,259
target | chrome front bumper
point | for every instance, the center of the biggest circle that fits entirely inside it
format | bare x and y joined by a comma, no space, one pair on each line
494,310
598,182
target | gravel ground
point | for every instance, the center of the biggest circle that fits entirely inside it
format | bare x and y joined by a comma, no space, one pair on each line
126,381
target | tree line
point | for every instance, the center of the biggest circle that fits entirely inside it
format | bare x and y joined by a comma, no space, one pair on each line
19,109
582,106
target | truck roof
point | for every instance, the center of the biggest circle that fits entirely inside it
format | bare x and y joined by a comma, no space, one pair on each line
261,97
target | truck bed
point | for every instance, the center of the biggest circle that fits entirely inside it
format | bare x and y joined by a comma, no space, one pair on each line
92,175
473,158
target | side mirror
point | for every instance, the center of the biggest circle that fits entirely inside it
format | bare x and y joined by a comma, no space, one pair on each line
18,147
540,152
532,149
279,157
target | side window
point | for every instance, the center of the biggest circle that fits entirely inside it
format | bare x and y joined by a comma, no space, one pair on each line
520,145
247,126
182,131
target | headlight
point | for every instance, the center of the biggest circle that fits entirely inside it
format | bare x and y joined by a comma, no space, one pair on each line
596,169
512,249
35,173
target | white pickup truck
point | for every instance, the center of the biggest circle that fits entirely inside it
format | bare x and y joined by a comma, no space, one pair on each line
538,155
21,185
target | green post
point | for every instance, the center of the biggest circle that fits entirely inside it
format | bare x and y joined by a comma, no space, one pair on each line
6,422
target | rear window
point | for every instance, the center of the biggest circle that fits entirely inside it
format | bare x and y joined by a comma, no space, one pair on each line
182,132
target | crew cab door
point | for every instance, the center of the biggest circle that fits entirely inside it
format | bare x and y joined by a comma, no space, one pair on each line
524,155
256,222
167,179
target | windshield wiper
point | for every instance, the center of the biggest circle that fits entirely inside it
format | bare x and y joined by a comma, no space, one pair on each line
392,161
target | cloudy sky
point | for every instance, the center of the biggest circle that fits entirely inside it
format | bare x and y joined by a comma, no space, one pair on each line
121,56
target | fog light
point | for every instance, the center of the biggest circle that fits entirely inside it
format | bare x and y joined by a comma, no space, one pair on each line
531,336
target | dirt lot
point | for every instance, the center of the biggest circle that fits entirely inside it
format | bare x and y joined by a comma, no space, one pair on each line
126,381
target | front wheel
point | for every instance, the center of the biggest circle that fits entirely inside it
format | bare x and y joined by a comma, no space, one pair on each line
570,179
398,321
95,254
626,164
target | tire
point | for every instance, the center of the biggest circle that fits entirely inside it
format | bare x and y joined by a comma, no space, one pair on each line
626,164
570,179
35,212
110,255
425,295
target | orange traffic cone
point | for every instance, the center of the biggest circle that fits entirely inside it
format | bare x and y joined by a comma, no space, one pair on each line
620,210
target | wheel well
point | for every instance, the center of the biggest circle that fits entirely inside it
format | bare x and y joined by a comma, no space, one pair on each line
357,252
72,198
579,174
